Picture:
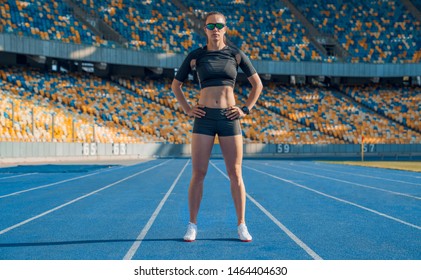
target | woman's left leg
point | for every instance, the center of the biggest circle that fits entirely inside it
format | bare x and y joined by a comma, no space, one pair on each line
232,150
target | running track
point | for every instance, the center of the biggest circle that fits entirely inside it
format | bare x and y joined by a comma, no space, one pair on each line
296,210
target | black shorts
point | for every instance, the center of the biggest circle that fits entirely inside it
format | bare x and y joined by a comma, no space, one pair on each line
216,123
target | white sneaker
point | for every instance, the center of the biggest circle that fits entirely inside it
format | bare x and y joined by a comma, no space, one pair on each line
243,233
191,233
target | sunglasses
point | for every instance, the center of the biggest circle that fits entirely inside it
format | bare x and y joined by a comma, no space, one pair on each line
211,26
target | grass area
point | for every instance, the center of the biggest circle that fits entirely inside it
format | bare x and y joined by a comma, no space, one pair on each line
399,165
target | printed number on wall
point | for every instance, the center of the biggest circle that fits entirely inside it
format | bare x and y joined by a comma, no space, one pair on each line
283,148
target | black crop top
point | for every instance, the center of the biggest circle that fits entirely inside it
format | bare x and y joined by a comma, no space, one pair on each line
215,68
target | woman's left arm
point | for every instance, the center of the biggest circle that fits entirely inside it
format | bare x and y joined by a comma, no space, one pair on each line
237,111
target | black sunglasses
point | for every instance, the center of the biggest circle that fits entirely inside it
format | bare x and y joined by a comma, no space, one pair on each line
211,26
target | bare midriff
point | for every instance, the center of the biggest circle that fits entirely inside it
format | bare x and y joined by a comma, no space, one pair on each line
217,97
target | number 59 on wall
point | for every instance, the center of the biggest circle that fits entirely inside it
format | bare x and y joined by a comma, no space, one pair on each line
283,149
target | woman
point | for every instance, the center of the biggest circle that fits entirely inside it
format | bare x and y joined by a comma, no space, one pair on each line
216,113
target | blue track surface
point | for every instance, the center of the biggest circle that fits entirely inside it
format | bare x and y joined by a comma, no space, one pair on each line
296,210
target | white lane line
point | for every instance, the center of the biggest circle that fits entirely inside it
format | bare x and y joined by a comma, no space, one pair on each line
49,185
15,176
339,199
135,246
64,181
366,176
347,182
298,241
75,200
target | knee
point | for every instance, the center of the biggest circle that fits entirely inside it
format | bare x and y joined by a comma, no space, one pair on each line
234,173
199,174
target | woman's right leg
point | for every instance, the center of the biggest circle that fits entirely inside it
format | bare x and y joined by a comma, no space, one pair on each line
201,149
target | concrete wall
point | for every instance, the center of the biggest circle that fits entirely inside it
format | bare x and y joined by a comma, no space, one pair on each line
120,56
32,152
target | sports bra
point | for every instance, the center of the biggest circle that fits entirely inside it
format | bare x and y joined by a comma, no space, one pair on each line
215,68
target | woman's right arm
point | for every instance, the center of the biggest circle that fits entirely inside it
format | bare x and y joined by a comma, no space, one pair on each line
194,111
176,86
179,94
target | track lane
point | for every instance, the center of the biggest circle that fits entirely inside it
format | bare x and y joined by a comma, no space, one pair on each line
335,229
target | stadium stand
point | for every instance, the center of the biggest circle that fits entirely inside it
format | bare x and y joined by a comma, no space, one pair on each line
85,108
46,20
324,110
97,108
157,27
382,31
402,104
371,31
147,110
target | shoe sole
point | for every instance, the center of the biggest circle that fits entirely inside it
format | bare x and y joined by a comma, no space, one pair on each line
244,240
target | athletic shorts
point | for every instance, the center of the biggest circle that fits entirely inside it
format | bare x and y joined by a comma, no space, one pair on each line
216,123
